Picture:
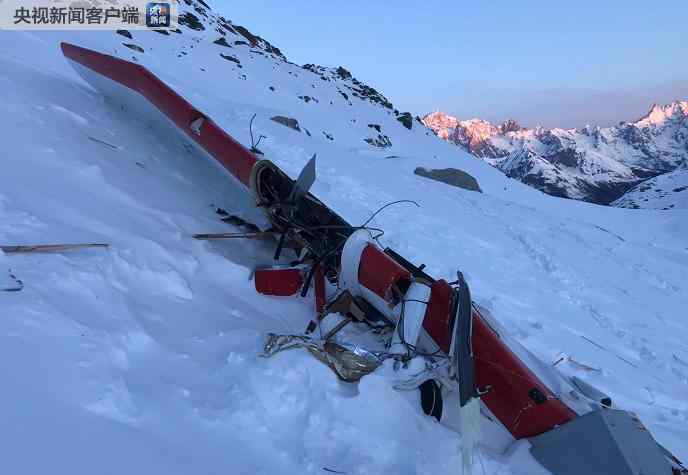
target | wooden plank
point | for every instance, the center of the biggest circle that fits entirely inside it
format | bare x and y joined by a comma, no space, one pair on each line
49,247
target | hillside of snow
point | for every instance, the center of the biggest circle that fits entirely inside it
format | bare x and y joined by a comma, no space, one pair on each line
596,164
667,191
145,358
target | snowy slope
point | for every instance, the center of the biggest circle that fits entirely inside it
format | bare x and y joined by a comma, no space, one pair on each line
596,164
667,191
145,358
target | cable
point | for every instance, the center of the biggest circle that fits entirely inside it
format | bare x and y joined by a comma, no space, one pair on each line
316,263
387,205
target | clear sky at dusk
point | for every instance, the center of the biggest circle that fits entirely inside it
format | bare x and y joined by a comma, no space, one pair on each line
553,63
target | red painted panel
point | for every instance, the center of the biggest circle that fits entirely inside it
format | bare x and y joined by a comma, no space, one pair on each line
438,321
378,272
510,381
280,282
231,154
319,282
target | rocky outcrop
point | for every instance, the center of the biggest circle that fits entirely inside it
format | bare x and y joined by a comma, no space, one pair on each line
257,41
345,78
136,48
450,176
231,58
191,21
222,42
287,122
406,120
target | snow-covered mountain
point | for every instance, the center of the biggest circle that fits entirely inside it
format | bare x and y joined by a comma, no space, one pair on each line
666,191
145,358
596,164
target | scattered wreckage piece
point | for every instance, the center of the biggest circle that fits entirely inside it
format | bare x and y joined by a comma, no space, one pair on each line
349,362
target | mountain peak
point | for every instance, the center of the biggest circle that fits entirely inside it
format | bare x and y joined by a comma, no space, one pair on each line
440,123
659,114
510,125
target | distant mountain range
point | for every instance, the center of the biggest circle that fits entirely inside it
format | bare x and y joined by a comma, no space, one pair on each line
596,164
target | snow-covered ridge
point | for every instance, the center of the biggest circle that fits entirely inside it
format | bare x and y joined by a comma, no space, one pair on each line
246,54
596,164
666,191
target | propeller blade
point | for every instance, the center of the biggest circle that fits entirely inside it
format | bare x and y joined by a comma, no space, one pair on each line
304,181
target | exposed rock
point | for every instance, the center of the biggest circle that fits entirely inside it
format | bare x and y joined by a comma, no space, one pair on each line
191,21
134,47
509,125
381,141
231,58
308,99
329,136
226,25
256,40
287,122
406,120
371,94
375,126
222,42
450,176
125,33
358,89
314,68
247,34
343,73
163,32
567,157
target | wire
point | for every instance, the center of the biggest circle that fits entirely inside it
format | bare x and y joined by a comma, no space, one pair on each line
354,228
316,263
291,223
387,205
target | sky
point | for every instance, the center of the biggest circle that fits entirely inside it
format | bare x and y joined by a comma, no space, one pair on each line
555,64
